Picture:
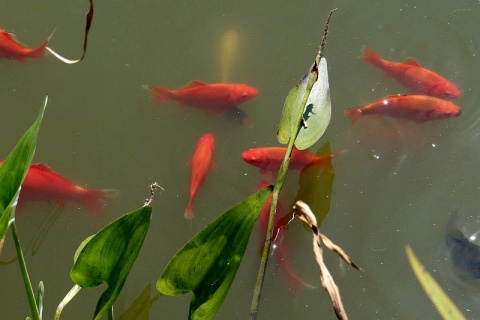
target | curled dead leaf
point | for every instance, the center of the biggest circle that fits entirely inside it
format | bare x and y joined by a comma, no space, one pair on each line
303,211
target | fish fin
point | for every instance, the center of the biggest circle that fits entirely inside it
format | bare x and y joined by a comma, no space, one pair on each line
189,211
41,166
39,52
353,114
195,83
412,62
371,57
95,200
161,94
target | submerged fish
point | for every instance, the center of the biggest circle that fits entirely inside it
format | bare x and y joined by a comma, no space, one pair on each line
200,163
214,97
411,107
464,253
464,246
271,158
43,184
12,49
414,76
278,241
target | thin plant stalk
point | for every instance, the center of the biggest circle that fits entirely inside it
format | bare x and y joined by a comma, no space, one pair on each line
26,280
282,174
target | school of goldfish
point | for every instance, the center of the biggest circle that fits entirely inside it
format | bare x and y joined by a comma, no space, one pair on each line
427,100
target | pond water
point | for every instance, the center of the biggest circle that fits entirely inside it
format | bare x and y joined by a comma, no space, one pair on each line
396,183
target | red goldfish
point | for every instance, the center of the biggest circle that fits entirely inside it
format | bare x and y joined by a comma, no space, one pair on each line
414,76
270,158
11,49
215,97
200,163
278,239
43,184
410,107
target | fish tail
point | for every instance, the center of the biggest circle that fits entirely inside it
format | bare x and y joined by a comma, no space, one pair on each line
95,200
353,114
371,57
161,94
39,52
189,211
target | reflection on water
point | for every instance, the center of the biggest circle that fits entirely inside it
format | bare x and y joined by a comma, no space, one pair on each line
396,184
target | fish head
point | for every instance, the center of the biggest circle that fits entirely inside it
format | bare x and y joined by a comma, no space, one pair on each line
243,93
445,90
255,157
449,110
208,140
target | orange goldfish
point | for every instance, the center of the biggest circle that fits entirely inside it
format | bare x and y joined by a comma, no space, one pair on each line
11,49
200,163
214,97
410,107
278,241
43,184
271,158
414,76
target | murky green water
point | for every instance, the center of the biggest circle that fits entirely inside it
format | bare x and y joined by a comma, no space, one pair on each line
395,184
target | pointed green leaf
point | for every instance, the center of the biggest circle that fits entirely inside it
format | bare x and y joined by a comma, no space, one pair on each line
317,113
14,170
445,306
207,264
108,256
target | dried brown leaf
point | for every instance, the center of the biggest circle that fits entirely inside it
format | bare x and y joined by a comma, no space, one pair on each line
303,211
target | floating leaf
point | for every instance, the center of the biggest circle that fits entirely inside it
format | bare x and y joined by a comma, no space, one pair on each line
445,306
14,170
207,264
108,256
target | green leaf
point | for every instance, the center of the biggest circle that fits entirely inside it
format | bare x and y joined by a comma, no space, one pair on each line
294,107
317,112
14,170
207,264
445,306
108,256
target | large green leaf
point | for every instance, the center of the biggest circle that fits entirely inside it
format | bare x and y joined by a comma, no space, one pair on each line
447,309
14,170
207,264
108,256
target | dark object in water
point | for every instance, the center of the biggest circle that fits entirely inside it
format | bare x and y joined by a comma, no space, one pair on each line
464,253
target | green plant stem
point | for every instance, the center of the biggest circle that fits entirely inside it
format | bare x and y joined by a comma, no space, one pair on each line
110,313
282,173
26,280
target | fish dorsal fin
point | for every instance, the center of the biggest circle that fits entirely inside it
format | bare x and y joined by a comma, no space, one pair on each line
8,35
412,62
195,83
41,167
